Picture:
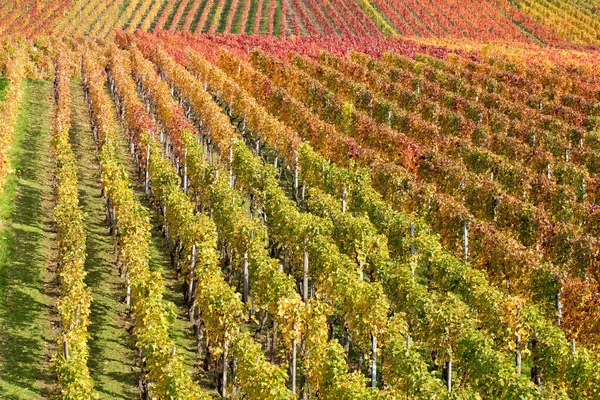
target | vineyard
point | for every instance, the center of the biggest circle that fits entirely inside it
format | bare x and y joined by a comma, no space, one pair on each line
300,199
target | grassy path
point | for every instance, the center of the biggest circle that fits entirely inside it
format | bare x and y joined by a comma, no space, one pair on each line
112,359
26,287
181,331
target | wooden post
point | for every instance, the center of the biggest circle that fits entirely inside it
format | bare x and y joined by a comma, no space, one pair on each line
128,295
347,344
185,173
244,123
147,173
274,342
374,361
449,376
294,350
191,298
165,225
65,346
412,236
305,272
496,206
412,247
466,240
518,353
559,307
361,357
77,312
360,268
234,389
245,272
231,167
224,376
296,174
535,372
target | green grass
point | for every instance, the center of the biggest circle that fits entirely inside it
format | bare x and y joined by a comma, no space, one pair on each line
224,16
184,15
181,332
145,15
123,7
3,85
277,19
158,14
171,17
264,21
26,310
211,16
248,29
112,360
128,22
237,18
196,18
